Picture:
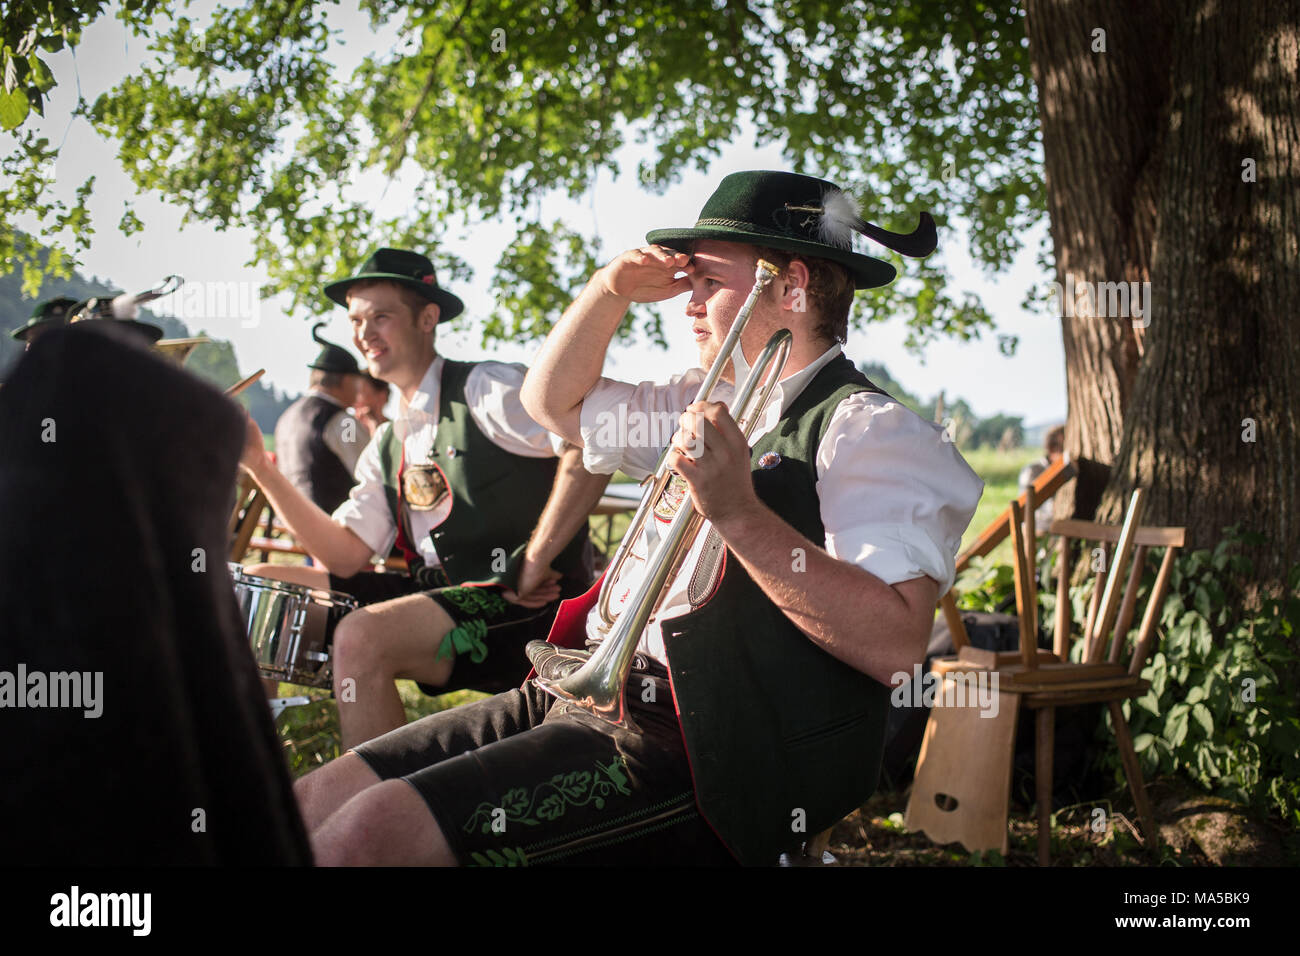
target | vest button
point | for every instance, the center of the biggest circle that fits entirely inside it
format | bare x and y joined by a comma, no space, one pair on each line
451,451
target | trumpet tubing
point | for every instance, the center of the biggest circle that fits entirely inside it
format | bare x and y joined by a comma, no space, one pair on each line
598,686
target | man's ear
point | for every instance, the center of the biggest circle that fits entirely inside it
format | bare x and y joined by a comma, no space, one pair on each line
429,317
794,286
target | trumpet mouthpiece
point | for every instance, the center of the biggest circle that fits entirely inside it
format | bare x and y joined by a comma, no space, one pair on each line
765,272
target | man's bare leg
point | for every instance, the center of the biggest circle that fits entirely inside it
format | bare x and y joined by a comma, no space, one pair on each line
388,824
323,791
375,645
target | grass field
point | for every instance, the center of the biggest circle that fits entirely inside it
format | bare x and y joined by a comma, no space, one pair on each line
1001,472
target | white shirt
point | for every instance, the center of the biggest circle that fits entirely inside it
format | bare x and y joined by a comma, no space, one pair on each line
895,495
345,440
492,394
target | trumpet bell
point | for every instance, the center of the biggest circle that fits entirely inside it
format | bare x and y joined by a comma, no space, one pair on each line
593,694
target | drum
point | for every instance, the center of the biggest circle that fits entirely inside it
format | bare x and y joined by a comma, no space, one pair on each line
290,627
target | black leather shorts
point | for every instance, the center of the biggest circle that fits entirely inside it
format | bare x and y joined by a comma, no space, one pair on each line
522,778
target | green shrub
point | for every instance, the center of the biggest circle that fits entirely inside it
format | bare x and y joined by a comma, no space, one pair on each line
1222,705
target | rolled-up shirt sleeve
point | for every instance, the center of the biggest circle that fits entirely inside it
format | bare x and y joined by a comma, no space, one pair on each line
896,496
626,426
492,394
366,512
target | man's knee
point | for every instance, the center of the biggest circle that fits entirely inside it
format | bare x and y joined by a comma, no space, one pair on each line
323,791
358,644
387,824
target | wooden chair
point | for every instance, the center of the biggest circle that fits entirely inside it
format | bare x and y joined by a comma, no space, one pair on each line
1044,487
1045,682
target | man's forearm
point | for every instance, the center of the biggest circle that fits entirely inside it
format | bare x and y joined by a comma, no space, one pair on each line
571,359
333,545
849,612
573,495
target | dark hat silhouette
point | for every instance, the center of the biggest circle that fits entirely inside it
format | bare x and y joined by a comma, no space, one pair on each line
48,313
333,358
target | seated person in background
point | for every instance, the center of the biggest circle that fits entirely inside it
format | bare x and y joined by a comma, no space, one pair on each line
1053,449
459,481
372,396
317,440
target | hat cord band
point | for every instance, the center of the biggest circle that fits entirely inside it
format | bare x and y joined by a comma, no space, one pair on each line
748,226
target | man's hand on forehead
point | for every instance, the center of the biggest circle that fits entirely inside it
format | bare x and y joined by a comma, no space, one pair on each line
649,274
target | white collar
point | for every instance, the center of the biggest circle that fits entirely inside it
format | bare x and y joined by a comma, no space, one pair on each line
321,393
425,399
788,389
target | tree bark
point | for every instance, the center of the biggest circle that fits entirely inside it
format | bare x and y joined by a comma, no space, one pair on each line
1101,113
1222,346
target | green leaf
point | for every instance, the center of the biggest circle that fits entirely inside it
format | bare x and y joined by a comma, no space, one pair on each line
13,108
1142,741
1201,714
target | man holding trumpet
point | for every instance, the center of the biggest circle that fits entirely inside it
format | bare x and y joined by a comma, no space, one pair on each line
759,686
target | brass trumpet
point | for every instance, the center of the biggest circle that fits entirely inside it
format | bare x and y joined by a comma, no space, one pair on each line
599,685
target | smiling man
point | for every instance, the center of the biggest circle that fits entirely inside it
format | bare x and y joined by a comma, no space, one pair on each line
762,681
467,486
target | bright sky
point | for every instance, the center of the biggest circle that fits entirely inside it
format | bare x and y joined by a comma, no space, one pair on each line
1031,383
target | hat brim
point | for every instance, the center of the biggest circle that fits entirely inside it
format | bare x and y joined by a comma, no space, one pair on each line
867,272
448,305
23,331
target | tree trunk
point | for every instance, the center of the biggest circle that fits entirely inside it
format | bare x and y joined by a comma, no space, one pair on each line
1102,116
1222,347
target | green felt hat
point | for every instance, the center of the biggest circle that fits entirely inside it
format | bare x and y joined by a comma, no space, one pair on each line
333,358
405,268
100,308
799,214
49,312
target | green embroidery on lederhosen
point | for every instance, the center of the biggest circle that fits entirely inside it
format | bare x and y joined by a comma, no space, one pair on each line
507,856
479,602
467,638
549,800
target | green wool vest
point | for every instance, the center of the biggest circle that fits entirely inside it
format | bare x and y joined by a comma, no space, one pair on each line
783,739
496,496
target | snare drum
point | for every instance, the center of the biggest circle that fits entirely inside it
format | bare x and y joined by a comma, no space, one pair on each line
290,626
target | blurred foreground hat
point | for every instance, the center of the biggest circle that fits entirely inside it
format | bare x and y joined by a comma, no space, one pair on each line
48,313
